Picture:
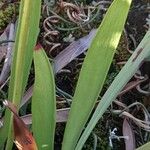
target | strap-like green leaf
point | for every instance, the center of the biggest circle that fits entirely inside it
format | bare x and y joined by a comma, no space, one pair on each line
144,147
28,28
94,70
43,102
142,52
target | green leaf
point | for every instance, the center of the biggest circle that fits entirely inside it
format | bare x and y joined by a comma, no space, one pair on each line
43,102
94,70
142,52
27,32
144,147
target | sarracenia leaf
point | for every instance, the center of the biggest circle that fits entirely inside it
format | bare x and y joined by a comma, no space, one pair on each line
23,138
142,52
43,101
144,147
28,28
94,70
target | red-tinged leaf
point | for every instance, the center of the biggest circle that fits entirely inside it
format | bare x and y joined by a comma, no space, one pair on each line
23,138
128,132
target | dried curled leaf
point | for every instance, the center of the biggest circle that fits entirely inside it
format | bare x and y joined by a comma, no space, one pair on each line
23,138
128,131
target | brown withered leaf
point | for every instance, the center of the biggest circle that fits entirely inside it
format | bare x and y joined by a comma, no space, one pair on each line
127,131
61,116
23,138
129,86
72,51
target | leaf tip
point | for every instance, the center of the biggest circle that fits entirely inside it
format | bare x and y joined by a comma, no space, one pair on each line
38,47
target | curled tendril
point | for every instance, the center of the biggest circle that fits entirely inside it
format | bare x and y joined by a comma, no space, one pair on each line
78,16
50,33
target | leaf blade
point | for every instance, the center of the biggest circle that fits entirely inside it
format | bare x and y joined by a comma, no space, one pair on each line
43,102
22,57
117,85
88,88
144,147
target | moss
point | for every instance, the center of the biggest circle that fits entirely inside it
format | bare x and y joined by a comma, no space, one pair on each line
7,14
121,53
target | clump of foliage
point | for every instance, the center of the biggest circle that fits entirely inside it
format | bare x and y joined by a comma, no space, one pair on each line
91,80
